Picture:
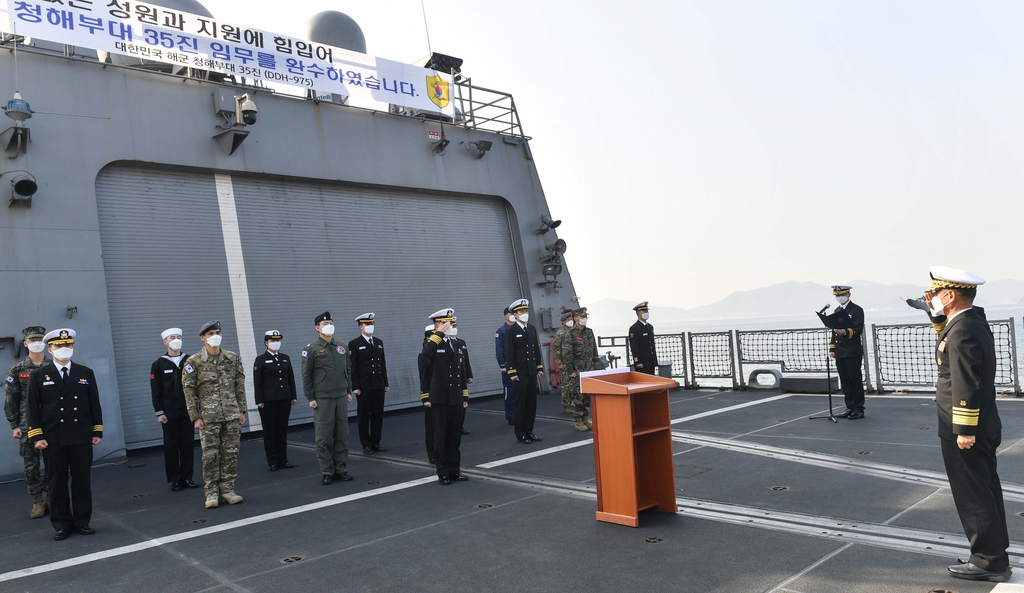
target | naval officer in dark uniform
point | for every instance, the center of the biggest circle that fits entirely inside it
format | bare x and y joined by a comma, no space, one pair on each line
65,423
524,360
447,398
847,347
424,367
273,381
369,383
172,413
969,426
641,341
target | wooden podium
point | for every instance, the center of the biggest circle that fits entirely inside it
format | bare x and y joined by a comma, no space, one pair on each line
632,444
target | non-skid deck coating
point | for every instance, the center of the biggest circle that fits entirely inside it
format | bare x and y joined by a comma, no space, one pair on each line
769,501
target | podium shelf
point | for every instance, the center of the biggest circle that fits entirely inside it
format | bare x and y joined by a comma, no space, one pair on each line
642,430
643,505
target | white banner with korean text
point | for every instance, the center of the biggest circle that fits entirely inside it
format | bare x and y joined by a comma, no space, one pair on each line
171,36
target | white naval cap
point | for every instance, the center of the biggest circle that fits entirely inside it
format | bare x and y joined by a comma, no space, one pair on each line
63,335
519,305
365,318
443,315
171,331
838,289
429,328
641,306
943,277
272,335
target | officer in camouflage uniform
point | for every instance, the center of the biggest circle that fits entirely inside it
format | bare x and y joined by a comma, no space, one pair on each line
556,349
15,408
584,353
214,385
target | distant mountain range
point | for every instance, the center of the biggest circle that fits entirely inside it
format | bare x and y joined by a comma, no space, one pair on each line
798,298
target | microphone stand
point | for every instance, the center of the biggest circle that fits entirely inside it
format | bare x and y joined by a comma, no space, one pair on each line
828,377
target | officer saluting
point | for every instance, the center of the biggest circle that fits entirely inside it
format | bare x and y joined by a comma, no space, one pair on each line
847,347
273,380
641,341
448,396
369,383
969,425
522,354
65,422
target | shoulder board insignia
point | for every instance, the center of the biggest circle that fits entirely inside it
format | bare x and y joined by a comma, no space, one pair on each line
190,369
10,379
942,345
303,354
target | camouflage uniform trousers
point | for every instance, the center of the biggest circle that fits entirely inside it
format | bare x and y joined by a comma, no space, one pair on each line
35,478
220,442
579,402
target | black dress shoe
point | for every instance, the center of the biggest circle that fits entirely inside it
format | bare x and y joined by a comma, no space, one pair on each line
273,467
189,484
61,534
175,486
534,437
522,439
287,465
971,572
511,422
460,477
84,530
343,476
444,481
464,431
961,561
326,479
856,416
844,414
368,450
379,448
430,460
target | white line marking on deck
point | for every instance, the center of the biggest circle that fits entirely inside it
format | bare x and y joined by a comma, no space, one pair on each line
187,535
565,447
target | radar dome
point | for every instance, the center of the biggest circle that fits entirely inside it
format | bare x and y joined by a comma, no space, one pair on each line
331,27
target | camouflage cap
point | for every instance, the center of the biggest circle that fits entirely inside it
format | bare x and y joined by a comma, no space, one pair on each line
33,331
581,312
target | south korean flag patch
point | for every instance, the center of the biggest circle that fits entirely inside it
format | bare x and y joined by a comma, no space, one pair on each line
189,369
10,379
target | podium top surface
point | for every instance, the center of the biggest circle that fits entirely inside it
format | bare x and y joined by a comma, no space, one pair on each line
622,382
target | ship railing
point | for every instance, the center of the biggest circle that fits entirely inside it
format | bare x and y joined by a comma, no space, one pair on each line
898,358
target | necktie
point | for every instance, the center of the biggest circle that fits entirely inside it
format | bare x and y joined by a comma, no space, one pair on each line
371,342
64,374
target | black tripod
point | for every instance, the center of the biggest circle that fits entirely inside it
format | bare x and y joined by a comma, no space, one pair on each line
828,379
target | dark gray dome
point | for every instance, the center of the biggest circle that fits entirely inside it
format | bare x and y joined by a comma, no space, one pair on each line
193,6
331,27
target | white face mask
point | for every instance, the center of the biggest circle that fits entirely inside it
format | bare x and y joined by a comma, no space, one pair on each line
583,322
645,315
175,345
368,330
63,353
842,299
937,307
510,319
36,347
274,345
214,341
568,323
524,318
451,332
327,330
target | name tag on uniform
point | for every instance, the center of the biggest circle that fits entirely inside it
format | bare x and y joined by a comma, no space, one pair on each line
269,360
519,335
643,334
47,382
169,371
441,351
362,347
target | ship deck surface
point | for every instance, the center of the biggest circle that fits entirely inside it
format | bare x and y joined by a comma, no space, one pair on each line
863,509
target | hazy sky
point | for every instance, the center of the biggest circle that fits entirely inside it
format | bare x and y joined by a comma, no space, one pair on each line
697,148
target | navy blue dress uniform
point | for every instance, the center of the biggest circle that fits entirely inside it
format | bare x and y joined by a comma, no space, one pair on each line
273,381
641,341
369,383
169,402
525,362
64,411
469,367
424,367
448,396
965,397
506,382
848,348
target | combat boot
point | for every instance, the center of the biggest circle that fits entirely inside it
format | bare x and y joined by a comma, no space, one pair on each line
566,410
580,425
588,423
38,507
230,497
211,501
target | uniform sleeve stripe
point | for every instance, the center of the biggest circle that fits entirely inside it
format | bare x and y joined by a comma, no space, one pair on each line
34,432
966,411
97,428
465,393
435,339
424,395
965,420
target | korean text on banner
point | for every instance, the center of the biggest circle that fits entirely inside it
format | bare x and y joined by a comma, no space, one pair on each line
171,36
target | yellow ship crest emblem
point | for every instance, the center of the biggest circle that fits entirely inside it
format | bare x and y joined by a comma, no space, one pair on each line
438,91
